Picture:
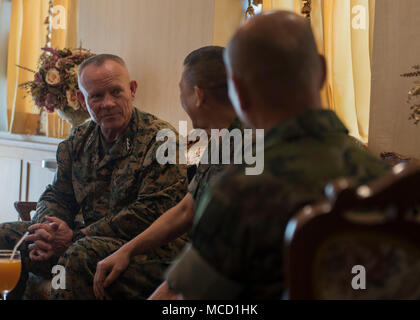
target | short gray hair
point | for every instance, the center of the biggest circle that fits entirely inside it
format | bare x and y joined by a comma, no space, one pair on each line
99,60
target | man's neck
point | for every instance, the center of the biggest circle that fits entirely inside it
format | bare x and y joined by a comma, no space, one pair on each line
223,119
111,135
271,118
268,121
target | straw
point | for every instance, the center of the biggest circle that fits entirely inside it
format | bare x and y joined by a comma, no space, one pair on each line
18,244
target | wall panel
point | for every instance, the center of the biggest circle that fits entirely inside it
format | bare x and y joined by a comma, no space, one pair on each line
153,37
396,47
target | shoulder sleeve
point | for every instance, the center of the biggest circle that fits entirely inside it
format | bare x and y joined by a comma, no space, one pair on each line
58,199
193,185
192,276
230,220
196,274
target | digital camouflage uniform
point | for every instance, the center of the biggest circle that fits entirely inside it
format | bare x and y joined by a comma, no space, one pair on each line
120,190
237,237
204,176
206,172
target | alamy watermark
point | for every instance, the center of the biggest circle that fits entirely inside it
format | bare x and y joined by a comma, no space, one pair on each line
58,281
359,280
59,18
359,20
244,144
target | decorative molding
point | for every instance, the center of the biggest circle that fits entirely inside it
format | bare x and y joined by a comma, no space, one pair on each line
28,142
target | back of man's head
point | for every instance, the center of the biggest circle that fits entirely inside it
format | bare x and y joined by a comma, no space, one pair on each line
205,69
275,52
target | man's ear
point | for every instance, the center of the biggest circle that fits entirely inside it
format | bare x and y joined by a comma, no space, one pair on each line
200,96
239,93
133,88
240,98
81,99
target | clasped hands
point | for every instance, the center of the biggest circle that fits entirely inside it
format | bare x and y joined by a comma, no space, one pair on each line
48,239
54,237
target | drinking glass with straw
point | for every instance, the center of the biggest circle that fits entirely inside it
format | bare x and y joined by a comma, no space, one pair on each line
10,268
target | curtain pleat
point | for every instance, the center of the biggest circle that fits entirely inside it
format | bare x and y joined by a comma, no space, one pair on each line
343,31
26,38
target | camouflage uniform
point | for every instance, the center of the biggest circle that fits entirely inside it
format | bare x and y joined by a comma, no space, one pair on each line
204,175
207,172
237,239
120,189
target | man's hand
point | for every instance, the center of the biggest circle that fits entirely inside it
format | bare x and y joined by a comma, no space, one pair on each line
49,239
108,270
40,248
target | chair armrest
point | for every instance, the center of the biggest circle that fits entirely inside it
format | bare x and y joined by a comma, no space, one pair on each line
24,209
393,158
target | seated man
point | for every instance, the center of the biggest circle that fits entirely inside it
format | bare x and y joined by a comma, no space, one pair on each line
108,171
275,76
204,96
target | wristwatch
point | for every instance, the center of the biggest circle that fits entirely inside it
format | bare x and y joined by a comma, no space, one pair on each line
77,235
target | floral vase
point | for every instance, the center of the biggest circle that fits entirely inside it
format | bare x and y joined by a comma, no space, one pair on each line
73,117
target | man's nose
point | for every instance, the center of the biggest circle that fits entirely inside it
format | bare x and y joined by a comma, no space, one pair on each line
108,101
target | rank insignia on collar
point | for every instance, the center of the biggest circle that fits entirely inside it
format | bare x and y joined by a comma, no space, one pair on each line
128,145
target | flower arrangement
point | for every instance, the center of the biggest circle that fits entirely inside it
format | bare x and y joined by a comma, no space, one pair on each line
55,83
413,94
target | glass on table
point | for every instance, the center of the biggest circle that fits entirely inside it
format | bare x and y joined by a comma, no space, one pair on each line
10,268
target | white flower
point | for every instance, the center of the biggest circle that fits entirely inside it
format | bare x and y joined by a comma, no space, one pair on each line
53,76
72,99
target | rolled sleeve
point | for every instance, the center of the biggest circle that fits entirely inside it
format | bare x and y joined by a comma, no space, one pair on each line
193,185
195,279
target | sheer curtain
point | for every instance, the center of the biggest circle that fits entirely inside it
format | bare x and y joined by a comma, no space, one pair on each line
293,5
5,9
27,36
343,31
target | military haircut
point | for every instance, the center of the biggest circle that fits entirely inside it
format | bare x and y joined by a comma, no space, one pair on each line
99,60
274,54
205,69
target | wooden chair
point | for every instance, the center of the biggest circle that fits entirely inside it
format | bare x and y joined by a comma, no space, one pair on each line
360,243
37,288
393,158
24,209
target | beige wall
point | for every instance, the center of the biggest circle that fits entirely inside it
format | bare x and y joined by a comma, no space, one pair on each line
396,48
153,37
